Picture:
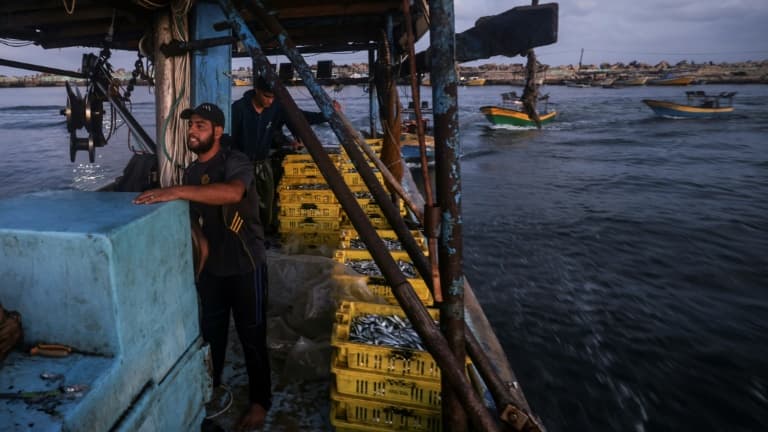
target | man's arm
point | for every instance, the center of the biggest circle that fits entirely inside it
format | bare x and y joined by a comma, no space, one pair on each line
229,192
319,117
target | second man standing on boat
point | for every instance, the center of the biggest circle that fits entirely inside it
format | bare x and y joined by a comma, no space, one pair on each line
257,130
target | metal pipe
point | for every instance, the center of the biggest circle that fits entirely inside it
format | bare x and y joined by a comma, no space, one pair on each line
371,93
448,180
43,69
133,125
402,290
430,223
349,137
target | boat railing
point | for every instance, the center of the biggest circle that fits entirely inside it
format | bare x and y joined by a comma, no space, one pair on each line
512,100
710,100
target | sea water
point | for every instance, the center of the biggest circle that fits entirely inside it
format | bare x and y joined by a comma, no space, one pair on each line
622,258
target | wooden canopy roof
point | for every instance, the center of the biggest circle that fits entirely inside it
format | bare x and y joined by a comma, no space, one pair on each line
313,25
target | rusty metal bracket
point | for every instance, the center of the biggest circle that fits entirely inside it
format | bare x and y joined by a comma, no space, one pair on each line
176,48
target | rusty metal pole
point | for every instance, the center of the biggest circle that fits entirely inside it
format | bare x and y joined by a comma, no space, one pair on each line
371,93
448,184
430,223
403,291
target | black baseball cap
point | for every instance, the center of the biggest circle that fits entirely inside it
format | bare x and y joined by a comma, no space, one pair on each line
263,85
207,111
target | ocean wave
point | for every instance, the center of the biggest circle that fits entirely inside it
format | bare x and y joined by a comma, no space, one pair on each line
32,124
27,108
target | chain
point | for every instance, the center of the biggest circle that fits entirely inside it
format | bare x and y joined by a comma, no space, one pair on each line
138,72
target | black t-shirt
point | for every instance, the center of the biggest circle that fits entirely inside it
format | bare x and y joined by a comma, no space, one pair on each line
234,232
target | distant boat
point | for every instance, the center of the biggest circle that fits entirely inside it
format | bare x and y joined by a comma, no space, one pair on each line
511,112
240,82
409,138
576,84
410,150
678,81
474,81
627,82
699,104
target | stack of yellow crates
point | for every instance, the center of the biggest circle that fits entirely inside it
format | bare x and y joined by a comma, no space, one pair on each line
381,387
308,207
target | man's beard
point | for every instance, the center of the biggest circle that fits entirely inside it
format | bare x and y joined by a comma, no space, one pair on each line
202,146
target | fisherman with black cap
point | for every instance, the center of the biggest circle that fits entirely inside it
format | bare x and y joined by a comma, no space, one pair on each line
224,204
257,131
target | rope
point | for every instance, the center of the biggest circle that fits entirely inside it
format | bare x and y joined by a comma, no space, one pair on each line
67,9
226,407
175,155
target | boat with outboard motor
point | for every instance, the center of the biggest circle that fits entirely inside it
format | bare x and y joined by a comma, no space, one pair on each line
698,105
511,112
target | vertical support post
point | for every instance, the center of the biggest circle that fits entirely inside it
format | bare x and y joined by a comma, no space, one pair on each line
371,93
164,93
448,182
211,79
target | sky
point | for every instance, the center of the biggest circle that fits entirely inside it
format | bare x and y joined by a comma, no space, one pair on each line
611,31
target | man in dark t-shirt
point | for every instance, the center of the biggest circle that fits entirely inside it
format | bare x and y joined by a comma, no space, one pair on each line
218,186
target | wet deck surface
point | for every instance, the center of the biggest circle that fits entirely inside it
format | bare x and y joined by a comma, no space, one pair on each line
298,404
302,306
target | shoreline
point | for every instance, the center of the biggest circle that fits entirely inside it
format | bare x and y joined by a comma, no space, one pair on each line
752,72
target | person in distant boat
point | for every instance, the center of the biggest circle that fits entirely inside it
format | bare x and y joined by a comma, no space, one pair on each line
257,131
220,189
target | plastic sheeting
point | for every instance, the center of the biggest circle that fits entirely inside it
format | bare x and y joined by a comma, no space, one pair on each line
304,294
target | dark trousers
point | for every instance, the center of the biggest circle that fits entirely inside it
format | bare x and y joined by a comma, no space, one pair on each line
245,296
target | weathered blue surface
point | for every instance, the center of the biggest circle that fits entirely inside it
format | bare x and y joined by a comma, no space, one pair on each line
211,67
94,271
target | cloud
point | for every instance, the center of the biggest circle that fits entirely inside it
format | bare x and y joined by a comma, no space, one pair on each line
608,31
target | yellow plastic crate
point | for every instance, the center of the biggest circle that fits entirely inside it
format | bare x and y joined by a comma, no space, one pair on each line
347,165
295,195
355,181
370,206
378,221
388,388
379,287
312,238
359,414
301,169
308,209
347,235
308,225
377,359
344,255
375,145
288,182
333,154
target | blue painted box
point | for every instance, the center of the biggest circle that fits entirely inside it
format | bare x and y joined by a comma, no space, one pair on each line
114,280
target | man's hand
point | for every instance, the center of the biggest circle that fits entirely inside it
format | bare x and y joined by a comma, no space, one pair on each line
337,106
153,196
